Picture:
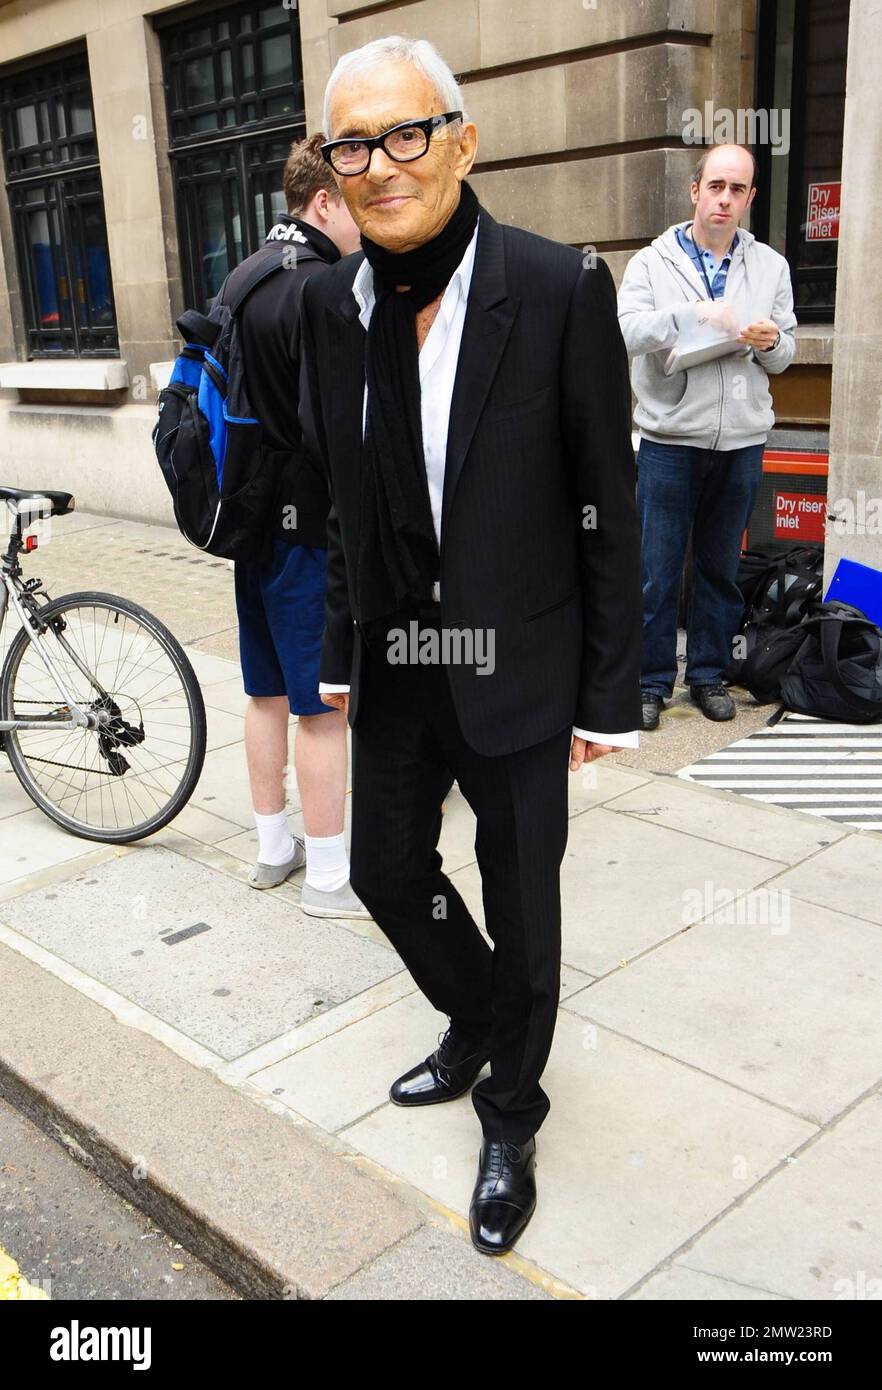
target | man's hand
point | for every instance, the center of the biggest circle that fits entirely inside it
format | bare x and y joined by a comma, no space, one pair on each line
337,701
719,315
759,335
584,752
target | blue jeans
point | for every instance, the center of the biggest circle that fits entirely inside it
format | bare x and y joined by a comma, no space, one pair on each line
711,492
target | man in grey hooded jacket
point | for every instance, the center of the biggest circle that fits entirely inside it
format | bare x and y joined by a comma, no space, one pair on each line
702,430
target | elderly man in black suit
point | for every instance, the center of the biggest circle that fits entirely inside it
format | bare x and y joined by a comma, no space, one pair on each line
466,386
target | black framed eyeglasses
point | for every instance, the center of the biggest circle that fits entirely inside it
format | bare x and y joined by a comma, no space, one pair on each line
403,142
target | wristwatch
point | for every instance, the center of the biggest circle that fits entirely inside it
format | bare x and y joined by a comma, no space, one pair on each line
772,346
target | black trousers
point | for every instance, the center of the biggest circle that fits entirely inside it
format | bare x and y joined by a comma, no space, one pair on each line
407,750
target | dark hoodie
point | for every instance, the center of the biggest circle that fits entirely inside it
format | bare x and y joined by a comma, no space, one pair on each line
270,327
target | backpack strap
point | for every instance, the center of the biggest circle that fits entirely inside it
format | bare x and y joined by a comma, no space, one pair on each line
787,605
830,632
256,274
777,616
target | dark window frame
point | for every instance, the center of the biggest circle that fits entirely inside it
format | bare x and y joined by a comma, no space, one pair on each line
64,166
249,169
767,25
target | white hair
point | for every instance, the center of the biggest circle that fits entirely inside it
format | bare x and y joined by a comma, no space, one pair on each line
396,48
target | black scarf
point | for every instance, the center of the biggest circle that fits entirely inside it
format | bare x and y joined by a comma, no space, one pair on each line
398,559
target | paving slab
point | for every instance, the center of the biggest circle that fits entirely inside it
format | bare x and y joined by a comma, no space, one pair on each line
224,729
224,643
13,797
791,1015
209,828
627,884
847,877
30,841
235,867
346,1075
433,1264
727,820
228,695
814,1230
637,1154
252,1065
224,790
599,782
624,886
681,1284
249,967
212,670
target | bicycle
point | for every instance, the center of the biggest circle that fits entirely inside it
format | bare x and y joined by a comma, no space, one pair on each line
101,714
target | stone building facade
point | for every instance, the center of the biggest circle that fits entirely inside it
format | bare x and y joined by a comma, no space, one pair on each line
141,146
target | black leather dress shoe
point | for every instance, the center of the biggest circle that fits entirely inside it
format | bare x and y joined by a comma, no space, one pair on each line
652,708
449,1072
504,1198
714,701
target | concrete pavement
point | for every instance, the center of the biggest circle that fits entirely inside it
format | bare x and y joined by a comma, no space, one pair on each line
715,1076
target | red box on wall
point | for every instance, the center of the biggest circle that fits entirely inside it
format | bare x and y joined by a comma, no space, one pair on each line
791,505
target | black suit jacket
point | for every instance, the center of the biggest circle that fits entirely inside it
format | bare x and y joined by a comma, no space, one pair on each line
539,435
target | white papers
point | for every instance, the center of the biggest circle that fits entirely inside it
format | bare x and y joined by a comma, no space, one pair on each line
707,331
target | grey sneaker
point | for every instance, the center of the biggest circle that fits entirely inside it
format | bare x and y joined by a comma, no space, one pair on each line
339,902
271,875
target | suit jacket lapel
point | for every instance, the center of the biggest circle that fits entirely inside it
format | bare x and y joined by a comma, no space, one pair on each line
490,314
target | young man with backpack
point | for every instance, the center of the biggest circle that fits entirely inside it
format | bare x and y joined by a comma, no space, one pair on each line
702,431
280,600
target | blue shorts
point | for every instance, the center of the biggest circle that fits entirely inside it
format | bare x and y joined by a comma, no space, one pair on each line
281,608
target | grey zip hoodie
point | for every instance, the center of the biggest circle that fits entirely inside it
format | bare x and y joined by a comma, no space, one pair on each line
724,404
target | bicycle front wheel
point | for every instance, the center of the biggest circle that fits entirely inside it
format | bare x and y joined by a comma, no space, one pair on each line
133,774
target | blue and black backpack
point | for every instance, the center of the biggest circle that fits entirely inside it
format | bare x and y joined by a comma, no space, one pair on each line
207,439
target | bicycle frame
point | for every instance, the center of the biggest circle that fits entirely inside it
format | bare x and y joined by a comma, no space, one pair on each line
79,717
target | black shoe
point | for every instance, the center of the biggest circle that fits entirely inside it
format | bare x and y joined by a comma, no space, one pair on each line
714,701
449,1072
504,1198
652,707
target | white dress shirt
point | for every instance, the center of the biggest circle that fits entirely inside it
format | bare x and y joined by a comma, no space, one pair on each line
438,360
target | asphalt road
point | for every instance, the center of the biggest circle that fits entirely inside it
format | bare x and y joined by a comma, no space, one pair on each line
74,1237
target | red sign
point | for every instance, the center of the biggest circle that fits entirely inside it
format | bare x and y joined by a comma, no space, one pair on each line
822,218
799,516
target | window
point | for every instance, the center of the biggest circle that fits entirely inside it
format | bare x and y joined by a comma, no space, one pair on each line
234,84
54,186
801,68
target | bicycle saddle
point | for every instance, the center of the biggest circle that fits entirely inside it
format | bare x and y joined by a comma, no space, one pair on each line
62,502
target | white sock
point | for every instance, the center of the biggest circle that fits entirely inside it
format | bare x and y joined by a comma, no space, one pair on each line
327,863
275,841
